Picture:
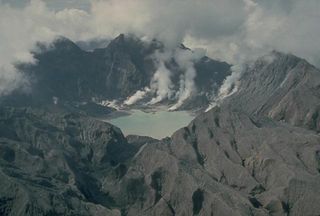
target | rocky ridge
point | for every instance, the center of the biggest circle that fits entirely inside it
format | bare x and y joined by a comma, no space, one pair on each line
254,154
64,73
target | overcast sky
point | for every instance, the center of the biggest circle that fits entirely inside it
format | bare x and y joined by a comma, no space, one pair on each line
230,30
53,4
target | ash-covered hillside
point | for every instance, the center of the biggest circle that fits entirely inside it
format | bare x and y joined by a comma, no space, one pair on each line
256,153
280,86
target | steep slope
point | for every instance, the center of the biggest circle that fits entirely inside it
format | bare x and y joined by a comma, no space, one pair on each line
115,72
283,87
236,159
66,164
49,162
223,163
274,165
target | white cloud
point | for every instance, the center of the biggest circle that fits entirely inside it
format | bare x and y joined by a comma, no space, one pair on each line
20,29
168,20
287,26
230,30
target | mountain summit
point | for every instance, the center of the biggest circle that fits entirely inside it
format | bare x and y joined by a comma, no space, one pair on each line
282,87
118,71
256,153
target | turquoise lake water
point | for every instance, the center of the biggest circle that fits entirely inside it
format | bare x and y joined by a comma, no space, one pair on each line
157,124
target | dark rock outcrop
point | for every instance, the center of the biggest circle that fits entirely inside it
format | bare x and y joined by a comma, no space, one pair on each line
66,73
237,159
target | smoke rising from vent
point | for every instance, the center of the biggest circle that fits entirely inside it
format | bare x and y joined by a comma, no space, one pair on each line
185,59
161,84
231,83
230,30
229,86
139,95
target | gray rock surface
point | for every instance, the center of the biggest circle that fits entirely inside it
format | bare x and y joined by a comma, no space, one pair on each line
236,159
47,163
282,87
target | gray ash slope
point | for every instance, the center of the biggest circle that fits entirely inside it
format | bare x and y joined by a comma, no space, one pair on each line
115,72
282,87
237,159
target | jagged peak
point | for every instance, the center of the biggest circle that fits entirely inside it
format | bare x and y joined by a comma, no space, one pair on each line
64,43
119,39
123,40
59,43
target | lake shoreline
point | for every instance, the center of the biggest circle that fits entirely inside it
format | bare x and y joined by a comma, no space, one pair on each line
156,123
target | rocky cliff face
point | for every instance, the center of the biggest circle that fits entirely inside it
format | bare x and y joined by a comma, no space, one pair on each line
237,159
116,72
51,163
